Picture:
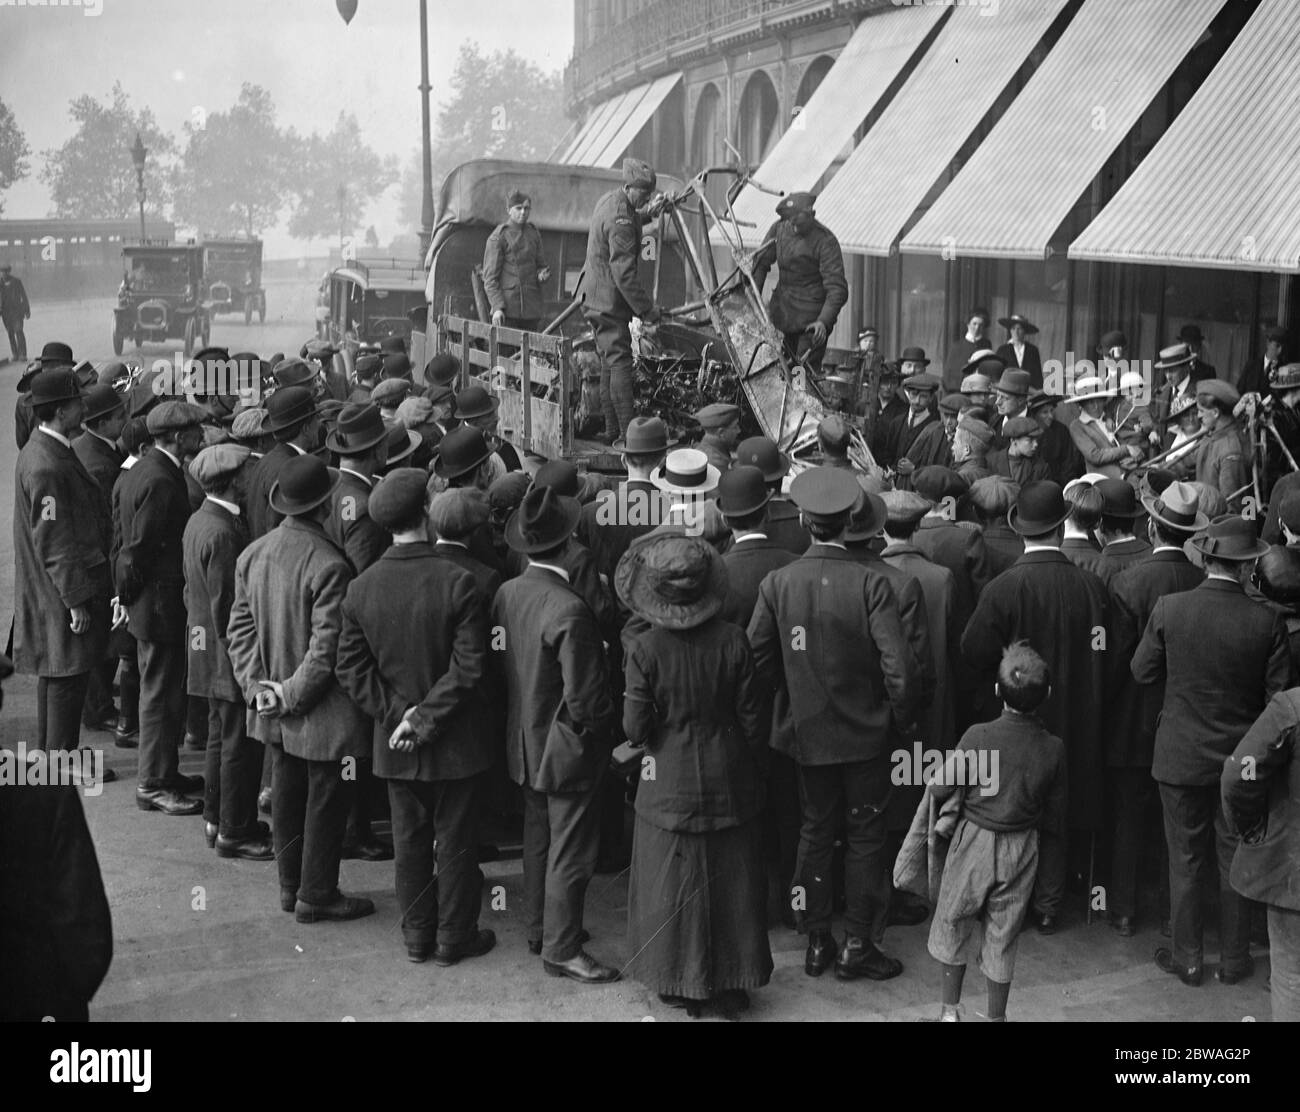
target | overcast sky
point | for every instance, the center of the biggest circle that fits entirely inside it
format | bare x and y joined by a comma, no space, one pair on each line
173,55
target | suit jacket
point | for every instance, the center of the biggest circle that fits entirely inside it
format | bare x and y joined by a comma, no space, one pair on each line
1082,553
903,434
24,420
486,580
213,540
1032,361
1116,557
1099,454
615,518
1004,546
840,687
261,518
349,524
284,626
415,636
747,566
1056,448
559,715
882,430
61,540
1134,708
912,616
1063,612
1253,377
1222,656
961,549
103,461
153,509
931,447
1020,470
783,527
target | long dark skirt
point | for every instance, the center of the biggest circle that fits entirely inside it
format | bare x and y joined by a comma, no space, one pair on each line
697,911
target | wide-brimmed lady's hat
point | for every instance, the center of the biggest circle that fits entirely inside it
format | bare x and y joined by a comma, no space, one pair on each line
1090,388
672,581
1175,507
304,483
1230,537
1016,318
1184,405
686,471
359,428
544,520
1040,508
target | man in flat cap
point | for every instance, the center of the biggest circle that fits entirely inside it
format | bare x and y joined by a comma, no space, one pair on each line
811,288
412,655
291,418
153,509
514,268
14,309
721,425
1019,461
827,636
919,389
1223,457
614,291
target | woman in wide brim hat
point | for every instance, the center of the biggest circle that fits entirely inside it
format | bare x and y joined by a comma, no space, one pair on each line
694,704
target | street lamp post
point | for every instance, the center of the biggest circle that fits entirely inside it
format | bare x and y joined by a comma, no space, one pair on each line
343,217
138,155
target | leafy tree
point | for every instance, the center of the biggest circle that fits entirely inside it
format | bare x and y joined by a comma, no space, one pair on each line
13,151
501,106
230,176
92,177
335,178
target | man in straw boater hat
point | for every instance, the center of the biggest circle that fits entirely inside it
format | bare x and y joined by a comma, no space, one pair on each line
1018,351
1222,657
689,480
559,725
412,655
698,711
1061,610
828,640
1172,519
284,632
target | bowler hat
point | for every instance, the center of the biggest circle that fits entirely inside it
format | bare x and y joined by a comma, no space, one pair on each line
217,461
101,399
456,513
796,202
392,344
644,436
475,401
914,355
868,518
397,497
397,365
359,428
460,451
304,483
287,407
742,491
937,483
563,476
441,369
1041,508
56,354
1016,383
762,452
1118,499
544,519
1016,318
637,172
1191,333
686,471
52,386
825,494
1175,355
402,443
672,581
1232,538
1175,507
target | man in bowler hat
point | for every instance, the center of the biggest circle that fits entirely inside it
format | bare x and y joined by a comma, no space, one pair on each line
14,310
292,420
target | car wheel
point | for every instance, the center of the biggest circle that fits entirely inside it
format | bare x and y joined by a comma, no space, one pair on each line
117,342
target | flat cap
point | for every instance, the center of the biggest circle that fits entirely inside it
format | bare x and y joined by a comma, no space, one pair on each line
975,427
796,202
458,512
171,416
937,483
415,412
389,393
247,424
977,383
952,403
717,415
904,507
1021,426
923,381
994,495
825,493
398,497
218,461
508,491
1222,392
369,366
637,172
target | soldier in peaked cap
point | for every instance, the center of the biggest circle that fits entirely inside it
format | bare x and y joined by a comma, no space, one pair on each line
721,424
291,418
1223,457
811,288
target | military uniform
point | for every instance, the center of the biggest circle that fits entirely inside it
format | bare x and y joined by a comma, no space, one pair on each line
511,260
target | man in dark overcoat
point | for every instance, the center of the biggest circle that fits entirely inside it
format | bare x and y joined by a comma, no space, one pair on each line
743,498
782,524
412,656
1120,545
14,310
292,419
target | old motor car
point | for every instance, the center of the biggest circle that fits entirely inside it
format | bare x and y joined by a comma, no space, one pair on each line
232,269
161,297
373,299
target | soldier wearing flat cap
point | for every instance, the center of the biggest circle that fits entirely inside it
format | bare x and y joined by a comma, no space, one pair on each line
291,418
614,291
721,425
153,509
1223,457
828,640
514,268
811,288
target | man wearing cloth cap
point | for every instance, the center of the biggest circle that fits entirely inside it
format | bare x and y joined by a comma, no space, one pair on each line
1019,461
933,447
14,309
919,389
1135,708
412,655
153,509
827,637
514,268
810,288
721,425
612,289
1222,657
1223,457
291,418
1059,609
62,582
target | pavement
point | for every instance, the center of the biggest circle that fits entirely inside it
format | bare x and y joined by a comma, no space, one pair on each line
197,937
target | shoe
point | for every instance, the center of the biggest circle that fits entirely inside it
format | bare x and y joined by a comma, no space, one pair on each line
1123,925
288,899
264,801
821,952
419,952
692,1007
210,832
106,776
102,724
185,785
1226,976
1045,923
250,849
1189,976
907,914
535,944
860,958
167,801
582,967
342,909
126,737
475,946
367,851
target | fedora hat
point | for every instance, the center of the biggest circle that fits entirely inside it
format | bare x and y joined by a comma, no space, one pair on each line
289,406
544,519
304,483
1016,318
686,471
59,384
914,355
101,399
461,451
1016,383
402,443
359,428
742,491
1039,400
1039,509
1175,507
868,518
672,581
1175,355
762,452
475,401
1118,498
644,436
1230,537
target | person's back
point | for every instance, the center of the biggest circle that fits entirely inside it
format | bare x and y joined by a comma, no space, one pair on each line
1028,766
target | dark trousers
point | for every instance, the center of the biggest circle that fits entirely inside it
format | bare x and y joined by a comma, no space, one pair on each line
444,908
233,770
798,348
1196,830
1135,802
357,831
561,838
310,809
782,817
614,342
17,341
99,692
196,717
162,710
128,688
59,701
862,789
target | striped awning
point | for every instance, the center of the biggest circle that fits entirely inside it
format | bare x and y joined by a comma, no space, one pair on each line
868,65
1222,187
611,128
1020,185
908,149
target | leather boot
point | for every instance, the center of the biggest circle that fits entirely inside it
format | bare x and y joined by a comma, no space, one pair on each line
821,952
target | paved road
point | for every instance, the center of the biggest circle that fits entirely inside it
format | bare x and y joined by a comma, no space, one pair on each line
200,938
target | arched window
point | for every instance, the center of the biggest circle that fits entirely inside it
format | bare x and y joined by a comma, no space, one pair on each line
817,69
757,122
706,133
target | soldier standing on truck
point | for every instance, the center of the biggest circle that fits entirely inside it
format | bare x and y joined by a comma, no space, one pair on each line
514,268
613,290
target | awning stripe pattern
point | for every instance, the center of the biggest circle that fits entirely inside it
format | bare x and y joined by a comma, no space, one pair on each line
1222,187
1012,196
596,130
615,123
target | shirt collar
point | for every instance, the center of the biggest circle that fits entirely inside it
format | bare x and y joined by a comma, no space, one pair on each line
1035,546
55,435
455,544
750,537
834,544
550,567
98,436
169,456
229,507
292,445
1167,548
